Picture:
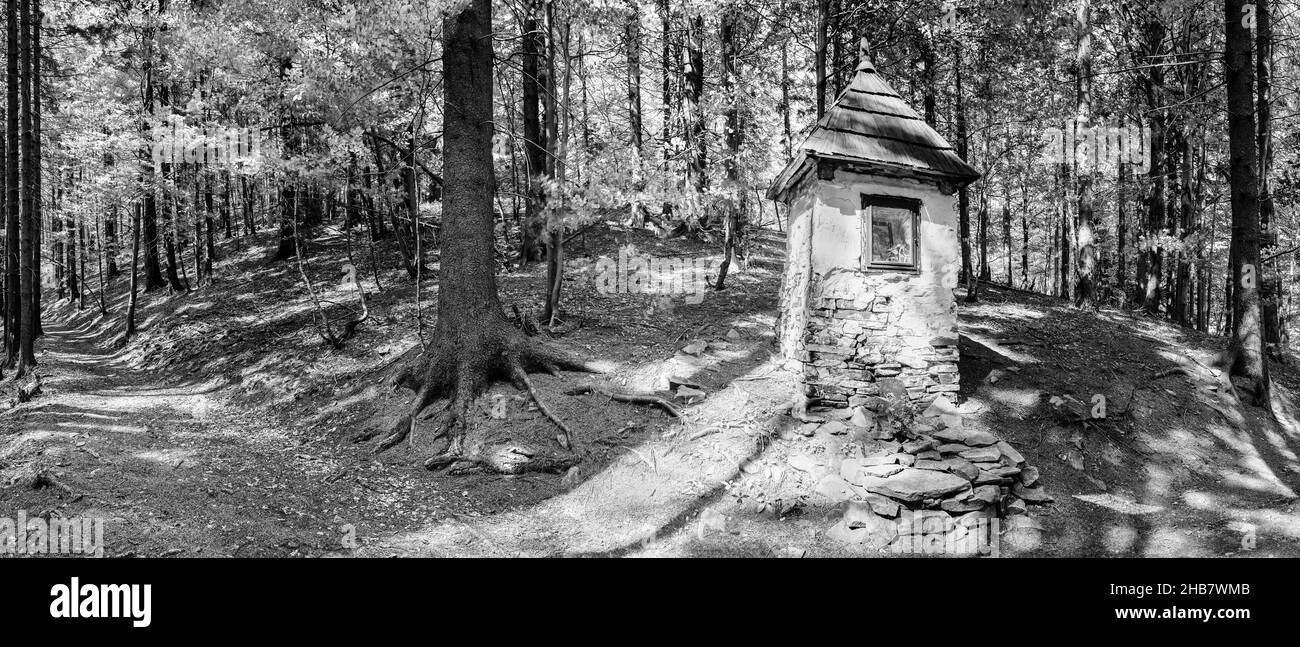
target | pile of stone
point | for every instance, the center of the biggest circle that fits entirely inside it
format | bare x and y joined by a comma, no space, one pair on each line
934,473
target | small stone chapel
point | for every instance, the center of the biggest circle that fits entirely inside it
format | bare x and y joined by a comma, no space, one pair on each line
873,251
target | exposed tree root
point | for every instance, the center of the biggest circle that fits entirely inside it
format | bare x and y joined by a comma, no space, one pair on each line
633,398
504,459
365,434
459,378
30,390
565,437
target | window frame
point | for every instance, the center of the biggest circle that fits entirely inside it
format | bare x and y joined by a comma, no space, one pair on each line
909,204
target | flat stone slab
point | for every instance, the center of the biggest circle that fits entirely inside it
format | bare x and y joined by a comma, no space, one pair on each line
964,437
955,506
1031,494
919,445
958,466
883,471
834,488
855,472
835,428
982,455
987,493
882,505
871,461
1010,453
914,485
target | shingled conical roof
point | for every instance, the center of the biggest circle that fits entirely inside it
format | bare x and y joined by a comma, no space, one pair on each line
870,125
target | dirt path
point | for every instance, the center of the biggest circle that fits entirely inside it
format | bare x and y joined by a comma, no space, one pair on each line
172,467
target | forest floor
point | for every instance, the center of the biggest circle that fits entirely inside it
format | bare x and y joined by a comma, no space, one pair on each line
225,427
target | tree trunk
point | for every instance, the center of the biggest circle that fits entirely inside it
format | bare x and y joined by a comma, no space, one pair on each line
929,86
473,341
823,26
1152,255
1247,343
694,109
666,54
963,196
83,252
982,235
1121,230
1024,235
732,227
1181,310
633,42
226,205
534,84
1086,259
210,251
197,223
135,256
1067,240
559,166
13,298
68,260
38,222
1271,286
27,248
110,242
153,277
787,132
1006,228
60,255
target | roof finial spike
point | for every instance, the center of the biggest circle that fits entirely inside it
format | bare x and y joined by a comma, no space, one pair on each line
864,55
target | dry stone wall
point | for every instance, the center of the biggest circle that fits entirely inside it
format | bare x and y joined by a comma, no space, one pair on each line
878,334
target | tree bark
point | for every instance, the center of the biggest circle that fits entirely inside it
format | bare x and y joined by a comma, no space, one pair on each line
1121,229
13,298
153,278
559,138
732,227
210,244
1247,344
473,341
135,263
787,132
694,109
632,36
666,16
963,196
823,27
1271,286
1086,259
37,17
27,249
1153,89
534,84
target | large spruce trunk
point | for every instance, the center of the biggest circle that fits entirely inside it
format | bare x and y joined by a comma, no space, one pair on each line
1247,347
13,301
26,243
473,343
